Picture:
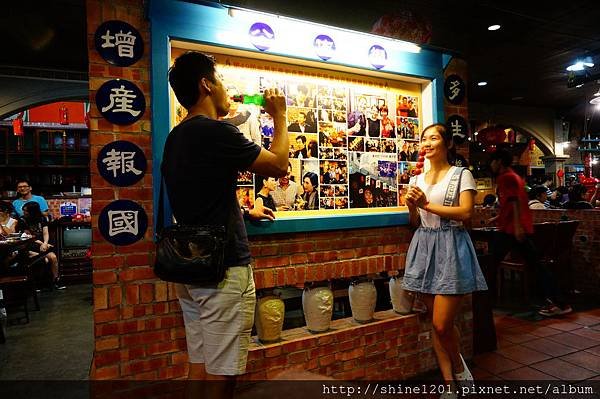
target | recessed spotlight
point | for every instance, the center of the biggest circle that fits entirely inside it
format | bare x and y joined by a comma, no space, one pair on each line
482,83
578,86
494,27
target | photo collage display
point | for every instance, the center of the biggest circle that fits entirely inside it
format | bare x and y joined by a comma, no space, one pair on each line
351,146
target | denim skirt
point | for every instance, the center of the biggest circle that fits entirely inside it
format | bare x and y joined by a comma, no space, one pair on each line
442,261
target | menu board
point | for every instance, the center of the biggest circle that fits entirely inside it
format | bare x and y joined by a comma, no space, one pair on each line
353,139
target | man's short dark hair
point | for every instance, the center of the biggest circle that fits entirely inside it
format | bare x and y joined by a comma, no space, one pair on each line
186,72
22,180
536,191
503,155
303,138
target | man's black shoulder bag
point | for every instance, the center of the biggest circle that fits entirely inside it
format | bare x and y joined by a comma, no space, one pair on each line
189,254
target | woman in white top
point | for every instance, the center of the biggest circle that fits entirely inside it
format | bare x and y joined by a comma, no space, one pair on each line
441,263
7,223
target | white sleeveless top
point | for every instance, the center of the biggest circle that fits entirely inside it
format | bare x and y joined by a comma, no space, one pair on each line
437,192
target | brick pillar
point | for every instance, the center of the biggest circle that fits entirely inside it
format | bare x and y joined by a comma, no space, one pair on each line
137,334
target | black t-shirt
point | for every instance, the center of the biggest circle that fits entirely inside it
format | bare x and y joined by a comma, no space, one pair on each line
200,164
35,228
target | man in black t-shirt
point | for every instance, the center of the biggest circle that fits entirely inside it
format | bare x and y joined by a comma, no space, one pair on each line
201,161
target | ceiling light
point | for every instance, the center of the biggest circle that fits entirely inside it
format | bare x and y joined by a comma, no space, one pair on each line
581,64
595,100
482,83
517,98
494,27
578,86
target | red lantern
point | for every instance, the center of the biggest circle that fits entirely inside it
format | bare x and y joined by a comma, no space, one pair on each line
531,144
18,125
63,114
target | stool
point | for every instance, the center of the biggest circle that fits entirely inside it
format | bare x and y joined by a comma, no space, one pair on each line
544,237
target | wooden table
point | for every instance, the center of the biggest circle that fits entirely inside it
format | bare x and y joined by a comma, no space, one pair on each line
484,330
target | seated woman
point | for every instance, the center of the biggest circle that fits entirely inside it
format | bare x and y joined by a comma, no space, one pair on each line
537,197
310,182
36,224
7,223
264,186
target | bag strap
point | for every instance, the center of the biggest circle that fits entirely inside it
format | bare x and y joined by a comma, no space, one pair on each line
452,192
159,219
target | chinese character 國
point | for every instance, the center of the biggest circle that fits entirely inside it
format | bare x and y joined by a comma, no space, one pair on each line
122,222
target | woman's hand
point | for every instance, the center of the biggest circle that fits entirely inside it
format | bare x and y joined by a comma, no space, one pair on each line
416,197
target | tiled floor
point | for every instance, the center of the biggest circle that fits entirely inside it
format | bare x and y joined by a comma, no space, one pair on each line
565,348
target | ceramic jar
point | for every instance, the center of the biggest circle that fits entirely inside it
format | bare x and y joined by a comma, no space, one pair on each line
317,303
363,298
402,300
270,313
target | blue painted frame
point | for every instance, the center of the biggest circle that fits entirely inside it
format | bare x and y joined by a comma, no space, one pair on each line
205,23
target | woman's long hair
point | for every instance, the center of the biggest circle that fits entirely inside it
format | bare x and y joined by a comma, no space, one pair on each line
34,213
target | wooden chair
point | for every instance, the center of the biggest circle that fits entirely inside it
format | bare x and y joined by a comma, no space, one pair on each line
20,284
545,241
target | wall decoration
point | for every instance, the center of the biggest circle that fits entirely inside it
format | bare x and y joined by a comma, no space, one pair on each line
459,128
348,139
377,56
454,89
119,43
324,47
120,102
121,163
123,222
261,36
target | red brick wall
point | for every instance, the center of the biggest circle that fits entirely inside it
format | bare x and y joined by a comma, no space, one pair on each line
585,260
136,334
391,348
293,259
138,326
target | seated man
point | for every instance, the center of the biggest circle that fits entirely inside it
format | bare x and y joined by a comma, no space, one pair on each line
24,196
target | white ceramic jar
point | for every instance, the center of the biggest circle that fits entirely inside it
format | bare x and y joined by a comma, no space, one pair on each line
402,300
363,298
317,303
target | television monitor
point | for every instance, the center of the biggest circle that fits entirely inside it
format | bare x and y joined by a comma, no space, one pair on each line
77,237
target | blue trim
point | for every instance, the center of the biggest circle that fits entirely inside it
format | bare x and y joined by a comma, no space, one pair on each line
446,58
320,223
438,98
209,24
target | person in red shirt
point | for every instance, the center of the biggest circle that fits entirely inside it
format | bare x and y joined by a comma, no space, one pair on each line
515,225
